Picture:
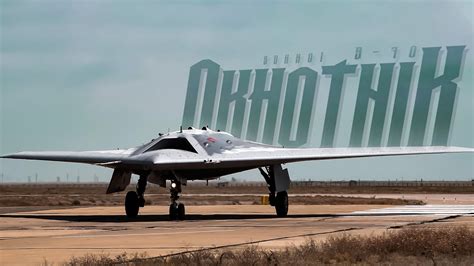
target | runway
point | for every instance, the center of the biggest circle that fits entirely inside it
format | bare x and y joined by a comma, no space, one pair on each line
29,237
421,210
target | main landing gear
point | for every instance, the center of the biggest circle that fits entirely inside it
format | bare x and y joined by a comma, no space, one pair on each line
277,199
135,200
177,210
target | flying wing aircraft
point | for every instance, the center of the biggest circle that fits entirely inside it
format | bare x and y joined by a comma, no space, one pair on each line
205,154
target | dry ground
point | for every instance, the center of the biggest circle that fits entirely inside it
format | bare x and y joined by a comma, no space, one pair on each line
57,234
412,246
242,188
94,195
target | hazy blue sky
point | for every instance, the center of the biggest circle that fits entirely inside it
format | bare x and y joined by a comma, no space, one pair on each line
86,75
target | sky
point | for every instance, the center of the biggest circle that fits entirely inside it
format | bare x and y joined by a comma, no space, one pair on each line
92,75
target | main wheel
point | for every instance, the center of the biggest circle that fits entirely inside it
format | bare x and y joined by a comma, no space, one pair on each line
181,211
281,204
131,204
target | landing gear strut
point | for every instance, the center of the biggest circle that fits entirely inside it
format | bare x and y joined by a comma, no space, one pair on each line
277,199
135,200
177,210
141,187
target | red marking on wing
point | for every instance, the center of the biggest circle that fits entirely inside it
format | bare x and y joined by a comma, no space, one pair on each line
211,139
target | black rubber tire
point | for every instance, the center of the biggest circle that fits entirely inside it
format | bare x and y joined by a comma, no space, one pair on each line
131,204
281,204
181,212
173,212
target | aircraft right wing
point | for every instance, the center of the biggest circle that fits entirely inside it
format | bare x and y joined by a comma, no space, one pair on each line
103,158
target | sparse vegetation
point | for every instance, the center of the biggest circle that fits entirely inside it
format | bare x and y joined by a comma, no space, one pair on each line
105,259
110,200
94,195
93,190
345,200
415,245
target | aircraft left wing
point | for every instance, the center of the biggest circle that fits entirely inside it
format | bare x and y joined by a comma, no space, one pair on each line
256,157
286,155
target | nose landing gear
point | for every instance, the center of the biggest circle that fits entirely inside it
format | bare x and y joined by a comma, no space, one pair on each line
177,210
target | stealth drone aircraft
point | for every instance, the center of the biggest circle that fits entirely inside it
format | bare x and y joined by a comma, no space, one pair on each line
205,154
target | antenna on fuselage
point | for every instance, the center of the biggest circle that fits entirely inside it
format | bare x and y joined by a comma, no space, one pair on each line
180,129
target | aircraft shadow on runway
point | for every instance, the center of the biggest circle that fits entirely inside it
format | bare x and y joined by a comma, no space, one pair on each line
189,217
158,217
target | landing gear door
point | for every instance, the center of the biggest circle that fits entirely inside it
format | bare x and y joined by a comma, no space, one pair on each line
282,178
120,180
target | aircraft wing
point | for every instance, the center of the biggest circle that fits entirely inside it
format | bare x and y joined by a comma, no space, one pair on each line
256,157
286,155
239,157
88,157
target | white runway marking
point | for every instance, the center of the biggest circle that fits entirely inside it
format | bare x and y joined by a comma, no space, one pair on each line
422,209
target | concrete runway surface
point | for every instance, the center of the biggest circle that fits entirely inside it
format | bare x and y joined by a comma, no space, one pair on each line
30,235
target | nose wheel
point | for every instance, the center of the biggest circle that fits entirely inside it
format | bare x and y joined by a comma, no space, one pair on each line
177,210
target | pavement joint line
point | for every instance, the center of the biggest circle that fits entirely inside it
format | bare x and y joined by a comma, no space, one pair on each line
288,237
91,248
248,243
426,222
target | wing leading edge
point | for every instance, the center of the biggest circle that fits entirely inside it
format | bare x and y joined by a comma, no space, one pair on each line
88,157
268,156
240,157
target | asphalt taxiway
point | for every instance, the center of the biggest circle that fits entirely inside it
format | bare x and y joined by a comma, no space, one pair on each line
29,236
